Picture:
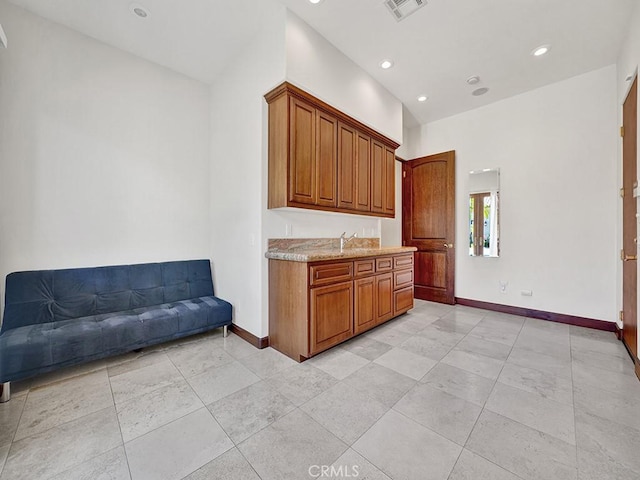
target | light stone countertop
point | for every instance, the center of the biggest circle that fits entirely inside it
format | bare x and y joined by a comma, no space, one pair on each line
320,254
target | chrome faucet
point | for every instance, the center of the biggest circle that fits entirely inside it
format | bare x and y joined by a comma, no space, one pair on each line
344,240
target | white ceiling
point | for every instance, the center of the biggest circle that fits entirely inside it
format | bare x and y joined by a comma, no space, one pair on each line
195,37
435,50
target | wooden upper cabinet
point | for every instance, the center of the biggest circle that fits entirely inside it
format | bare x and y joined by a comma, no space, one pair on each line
378,180
322,159
363,173
347,144
302,167
383,188
390,182
326,159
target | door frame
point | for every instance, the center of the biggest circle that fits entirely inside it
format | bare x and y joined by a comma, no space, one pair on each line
635,358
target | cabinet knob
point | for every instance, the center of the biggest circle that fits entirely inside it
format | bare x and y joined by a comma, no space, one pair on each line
448,245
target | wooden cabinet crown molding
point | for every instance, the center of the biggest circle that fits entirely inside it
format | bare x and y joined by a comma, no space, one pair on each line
286,88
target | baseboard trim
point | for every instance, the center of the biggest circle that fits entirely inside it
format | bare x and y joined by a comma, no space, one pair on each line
618,332
541,315
249,337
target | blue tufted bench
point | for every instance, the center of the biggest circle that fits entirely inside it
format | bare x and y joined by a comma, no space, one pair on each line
57,318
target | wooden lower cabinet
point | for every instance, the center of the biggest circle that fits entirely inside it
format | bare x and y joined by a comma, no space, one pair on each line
384,297
402,300
331,318
365,304
314,306
374,301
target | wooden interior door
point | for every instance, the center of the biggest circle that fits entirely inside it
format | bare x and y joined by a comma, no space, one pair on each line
629,221
428,223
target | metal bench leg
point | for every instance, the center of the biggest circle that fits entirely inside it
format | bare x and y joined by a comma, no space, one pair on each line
5,392
225,331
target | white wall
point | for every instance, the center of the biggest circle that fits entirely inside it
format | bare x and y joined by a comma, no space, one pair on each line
391,228
628,61
316,66
238,173
556,149
104,156
324,71
288,49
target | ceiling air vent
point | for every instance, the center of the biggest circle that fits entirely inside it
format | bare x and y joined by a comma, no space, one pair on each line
401,9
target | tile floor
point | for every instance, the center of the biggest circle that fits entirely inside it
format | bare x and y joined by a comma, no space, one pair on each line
440,393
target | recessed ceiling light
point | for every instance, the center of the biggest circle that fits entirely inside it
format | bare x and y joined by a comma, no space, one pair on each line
315,2
479,91
422,98
139,11
386,64
473,80
541,50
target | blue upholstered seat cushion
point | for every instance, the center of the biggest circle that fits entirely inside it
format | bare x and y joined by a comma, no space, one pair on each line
35,347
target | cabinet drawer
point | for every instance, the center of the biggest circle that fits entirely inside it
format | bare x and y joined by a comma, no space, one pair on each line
403,261
402,300
403,278
362,268
330,273
384,264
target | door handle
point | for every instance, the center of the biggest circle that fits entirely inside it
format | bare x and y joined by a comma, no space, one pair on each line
628,258
448,245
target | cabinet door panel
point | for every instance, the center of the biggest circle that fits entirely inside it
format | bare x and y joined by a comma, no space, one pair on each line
384,297
390,182
347,149
331,315
365,304
326,158
363,173
302,161
378,172
402,300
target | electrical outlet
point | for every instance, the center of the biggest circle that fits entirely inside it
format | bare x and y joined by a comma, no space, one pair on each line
503,286
526,293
